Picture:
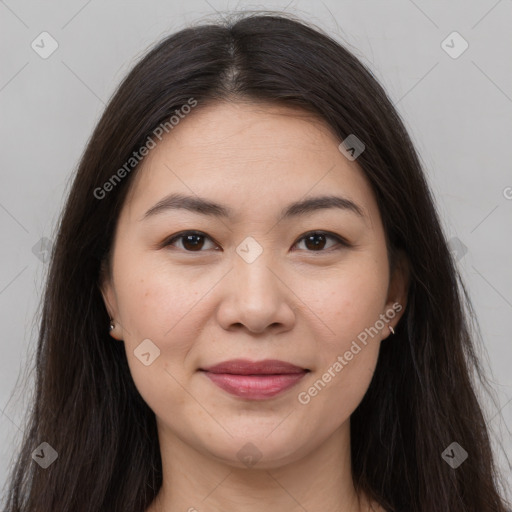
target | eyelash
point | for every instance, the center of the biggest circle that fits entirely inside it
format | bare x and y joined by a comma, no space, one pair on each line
341,241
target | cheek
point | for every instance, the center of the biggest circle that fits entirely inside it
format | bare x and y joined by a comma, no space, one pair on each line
159,308
346,361
350,305
350,301
156,304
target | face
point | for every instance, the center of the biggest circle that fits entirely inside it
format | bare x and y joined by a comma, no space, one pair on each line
194,287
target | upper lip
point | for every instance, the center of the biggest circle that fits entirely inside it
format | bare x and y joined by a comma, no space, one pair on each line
247,367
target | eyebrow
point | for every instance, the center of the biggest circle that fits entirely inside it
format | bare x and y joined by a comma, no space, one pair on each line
208,207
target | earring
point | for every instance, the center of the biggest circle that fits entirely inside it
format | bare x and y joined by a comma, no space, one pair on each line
112,325
391,329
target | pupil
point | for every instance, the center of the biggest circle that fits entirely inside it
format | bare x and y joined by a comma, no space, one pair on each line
316,244
188,238
317,241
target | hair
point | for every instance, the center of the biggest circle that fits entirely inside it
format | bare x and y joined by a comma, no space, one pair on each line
422,396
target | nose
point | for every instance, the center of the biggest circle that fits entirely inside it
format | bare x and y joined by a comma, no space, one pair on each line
257,298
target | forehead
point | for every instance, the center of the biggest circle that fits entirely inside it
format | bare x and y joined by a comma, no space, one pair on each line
249,156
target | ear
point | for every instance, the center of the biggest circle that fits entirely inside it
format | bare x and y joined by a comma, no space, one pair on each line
106,287
397,292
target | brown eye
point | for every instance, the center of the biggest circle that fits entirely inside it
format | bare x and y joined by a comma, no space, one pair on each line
316,241
191,241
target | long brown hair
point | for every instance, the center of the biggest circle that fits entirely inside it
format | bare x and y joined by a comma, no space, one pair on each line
422,397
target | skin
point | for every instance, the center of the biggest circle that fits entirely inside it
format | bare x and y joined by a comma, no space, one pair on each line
295,303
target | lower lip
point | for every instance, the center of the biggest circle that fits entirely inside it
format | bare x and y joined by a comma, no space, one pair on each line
255,387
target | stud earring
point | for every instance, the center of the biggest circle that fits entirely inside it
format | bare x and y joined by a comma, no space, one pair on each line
391,329
112,325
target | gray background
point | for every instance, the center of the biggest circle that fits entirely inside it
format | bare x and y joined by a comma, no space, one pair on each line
458,112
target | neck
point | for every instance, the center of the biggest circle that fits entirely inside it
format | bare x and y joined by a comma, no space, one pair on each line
320,480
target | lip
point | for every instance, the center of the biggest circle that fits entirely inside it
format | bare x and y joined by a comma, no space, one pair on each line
255,380
247,367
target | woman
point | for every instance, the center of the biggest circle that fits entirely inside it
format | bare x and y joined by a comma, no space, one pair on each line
251,225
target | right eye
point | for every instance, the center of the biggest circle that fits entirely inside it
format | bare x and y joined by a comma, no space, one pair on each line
192,241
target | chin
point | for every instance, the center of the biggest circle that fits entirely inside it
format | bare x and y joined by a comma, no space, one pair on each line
257,449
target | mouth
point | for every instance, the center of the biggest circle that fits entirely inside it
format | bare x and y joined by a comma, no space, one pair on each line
257,380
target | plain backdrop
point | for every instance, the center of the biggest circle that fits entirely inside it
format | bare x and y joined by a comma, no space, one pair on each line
456,106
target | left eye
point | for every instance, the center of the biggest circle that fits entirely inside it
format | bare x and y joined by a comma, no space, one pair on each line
317,240
193,241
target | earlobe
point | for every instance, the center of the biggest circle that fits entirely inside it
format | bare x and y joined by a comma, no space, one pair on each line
390,331
113,329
